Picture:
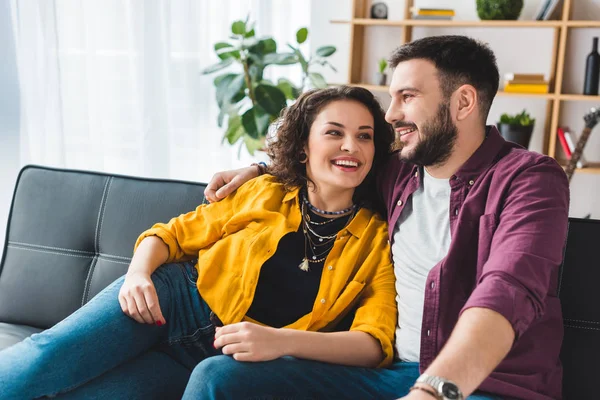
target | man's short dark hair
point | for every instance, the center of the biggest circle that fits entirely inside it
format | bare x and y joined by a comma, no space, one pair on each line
459,60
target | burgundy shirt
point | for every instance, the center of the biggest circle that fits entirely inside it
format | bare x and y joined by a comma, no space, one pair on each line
508,222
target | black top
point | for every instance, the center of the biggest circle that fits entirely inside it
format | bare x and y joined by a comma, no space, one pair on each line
284,292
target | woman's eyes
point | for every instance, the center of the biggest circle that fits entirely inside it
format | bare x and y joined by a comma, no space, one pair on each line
362,136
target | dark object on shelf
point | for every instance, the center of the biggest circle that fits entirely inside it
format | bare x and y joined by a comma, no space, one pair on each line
379,11
592,70
517,128
591,119
499,9
519,134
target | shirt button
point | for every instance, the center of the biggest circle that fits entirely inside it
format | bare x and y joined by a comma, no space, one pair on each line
456,211
322,301
399,203
433,285
428,332
417,174
330,268
471,182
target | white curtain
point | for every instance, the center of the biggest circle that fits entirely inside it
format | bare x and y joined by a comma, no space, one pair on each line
114,85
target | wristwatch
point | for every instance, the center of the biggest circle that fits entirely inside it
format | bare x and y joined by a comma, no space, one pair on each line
446,390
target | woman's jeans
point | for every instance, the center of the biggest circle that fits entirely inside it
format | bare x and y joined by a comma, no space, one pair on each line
100,353
112,354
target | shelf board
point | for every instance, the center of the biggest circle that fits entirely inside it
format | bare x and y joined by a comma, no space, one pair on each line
590,168
579,97
583,24
435,22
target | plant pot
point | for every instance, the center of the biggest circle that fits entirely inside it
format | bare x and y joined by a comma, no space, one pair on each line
499,9
381,79
518,134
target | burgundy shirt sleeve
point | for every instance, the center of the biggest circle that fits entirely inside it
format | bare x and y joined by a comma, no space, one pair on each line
526,245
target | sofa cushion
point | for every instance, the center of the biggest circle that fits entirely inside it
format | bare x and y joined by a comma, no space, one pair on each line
11,333
71,233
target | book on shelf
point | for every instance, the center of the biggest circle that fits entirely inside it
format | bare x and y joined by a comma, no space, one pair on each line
547,10
526,87
433,11
567,141
433,17
511,76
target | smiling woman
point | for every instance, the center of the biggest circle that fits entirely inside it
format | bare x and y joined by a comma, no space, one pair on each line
295,265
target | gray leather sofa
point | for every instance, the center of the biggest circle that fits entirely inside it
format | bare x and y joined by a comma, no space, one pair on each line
71,233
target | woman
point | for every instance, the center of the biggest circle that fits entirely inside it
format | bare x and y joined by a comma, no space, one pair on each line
295,263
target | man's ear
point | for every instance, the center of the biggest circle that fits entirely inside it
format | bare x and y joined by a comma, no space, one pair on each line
465,101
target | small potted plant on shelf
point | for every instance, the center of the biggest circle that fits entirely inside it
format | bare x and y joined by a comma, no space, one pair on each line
381,75
499,9
516,128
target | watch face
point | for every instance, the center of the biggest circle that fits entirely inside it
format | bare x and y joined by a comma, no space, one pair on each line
450,391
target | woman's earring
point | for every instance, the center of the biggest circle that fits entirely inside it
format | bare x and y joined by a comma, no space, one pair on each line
303,157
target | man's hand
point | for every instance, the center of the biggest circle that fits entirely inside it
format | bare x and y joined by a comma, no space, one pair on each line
224,183
417,395
250,342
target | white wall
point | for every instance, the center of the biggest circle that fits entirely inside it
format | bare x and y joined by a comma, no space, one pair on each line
517,50
9,116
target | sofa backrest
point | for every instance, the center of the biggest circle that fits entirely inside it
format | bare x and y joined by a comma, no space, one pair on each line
71,233
579,292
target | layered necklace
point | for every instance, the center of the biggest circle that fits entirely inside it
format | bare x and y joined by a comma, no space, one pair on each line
318,235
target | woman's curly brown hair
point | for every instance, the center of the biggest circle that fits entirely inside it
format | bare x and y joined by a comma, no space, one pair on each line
291,135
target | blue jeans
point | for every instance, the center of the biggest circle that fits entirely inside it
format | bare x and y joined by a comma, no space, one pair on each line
100,353
288,378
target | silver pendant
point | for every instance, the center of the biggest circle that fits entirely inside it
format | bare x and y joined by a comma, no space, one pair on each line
304,265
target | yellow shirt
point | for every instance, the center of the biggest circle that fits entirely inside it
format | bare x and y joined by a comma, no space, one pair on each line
233,238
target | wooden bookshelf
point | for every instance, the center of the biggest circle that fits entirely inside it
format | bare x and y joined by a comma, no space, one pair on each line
554,98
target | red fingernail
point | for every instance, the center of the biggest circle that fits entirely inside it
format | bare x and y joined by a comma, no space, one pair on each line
214,345
159,323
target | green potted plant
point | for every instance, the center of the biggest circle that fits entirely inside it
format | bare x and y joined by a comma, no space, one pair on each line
516,128
499,9
381,75
247,101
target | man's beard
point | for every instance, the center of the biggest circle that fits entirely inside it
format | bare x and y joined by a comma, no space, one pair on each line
438,136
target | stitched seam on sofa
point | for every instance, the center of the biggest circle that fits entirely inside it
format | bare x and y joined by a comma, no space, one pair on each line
103,213
582,327
96,244
562,266
64,253
88,280
581,320
89,253
52,248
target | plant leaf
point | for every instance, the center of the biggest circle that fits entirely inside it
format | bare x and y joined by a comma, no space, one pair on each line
221,88
238,28
317,80
253,144
288,89
217,67
301,35
226,50
270,45
270,98
280,59
235,130
255,122
325,51
250,33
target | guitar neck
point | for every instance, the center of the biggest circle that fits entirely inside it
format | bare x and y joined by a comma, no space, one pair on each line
576,156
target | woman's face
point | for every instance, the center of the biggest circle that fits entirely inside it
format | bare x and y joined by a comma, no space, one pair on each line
340,146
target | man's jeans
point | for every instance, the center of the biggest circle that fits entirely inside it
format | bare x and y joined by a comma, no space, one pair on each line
100,353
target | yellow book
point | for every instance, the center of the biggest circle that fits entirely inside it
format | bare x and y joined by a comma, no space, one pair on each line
525,88
433,11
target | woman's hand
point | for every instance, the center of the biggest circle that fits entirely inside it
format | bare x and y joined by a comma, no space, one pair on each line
250,342
139,300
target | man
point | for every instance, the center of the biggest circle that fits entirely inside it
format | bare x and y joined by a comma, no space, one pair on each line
477,227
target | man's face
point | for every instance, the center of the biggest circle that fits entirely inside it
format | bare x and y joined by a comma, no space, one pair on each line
420,114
